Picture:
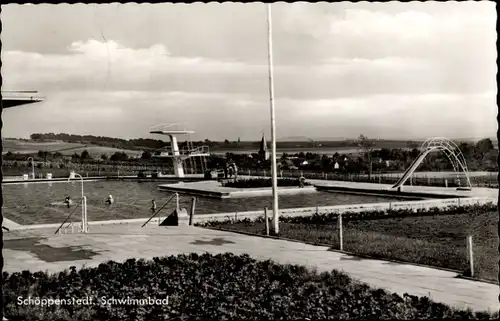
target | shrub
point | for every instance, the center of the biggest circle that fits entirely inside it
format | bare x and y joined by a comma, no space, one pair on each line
213,287
366,215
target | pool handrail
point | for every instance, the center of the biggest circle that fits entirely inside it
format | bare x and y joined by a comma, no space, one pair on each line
158,211
67,217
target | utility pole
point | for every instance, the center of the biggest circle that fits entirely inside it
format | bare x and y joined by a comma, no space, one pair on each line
273,123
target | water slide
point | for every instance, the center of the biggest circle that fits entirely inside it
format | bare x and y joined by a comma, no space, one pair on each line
411,169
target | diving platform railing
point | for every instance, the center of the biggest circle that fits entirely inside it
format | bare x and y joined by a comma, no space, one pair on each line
189,152
170,128
18,98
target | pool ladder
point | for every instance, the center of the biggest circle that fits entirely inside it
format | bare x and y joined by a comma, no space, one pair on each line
81,227
176,195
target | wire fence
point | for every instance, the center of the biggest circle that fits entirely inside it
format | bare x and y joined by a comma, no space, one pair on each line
488,180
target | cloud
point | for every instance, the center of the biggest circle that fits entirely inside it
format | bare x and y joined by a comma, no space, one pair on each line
340,69
101,62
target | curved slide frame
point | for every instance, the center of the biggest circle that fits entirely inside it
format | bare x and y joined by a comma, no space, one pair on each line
451,151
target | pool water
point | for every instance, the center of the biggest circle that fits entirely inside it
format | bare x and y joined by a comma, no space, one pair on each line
31,203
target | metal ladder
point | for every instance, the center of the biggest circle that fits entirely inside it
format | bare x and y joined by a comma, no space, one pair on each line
82,226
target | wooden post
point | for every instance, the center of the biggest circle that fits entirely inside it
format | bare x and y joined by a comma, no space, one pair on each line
266,219
341,241
470,255
191,214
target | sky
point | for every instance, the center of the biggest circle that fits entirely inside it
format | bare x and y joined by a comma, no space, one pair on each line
386,70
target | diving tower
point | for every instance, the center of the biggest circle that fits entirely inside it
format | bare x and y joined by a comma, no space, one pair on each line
18,98
452,152
177,155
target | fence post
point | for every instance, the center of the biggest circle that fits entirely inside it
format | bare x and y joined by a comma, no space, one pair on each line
177,201
341,233
281,174
86,216
445,182
83,215
266,219
470,255
191,214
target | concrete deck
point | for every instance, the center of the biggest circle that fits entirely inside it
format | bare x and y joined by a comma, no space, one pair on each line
385,189
42,250
214,189
20,180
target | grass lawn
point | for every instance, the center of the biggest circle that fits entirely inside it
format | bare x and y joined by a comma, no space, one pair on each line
438,240
211,287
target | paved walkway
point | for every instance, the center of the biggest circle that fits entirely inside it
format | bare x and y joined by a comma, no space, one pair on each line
42,250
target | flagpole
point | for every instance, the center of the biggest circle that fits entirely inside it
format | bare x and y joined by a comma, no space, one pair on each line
273,122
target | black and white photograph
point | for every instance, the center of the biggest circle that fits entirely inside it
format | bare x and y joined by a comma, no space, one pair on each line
249,161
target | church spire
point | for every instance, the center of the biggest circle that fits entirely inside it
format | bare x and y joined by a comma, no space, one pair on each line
263,152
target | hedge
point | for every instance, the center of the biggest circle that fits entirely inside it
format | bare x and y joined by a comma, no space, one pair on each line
213,287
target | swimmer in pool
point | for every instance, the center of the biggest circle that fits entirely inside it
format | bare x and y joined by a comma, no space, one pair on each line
68,201
109,200
153,206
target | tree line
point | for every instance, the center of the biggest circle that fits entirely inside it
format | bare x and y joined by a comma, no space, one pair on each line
480,156
152,144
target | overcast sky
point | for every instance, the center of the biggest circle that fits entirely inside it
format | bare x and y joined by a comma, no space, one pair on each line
387,70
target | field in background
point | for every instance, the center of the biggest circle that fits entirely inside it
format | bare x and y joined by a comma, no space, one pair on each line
28,147
280,151
31,147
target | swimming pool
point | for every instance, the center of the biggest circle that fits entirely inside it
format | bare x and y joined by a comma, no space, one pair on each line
30,203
